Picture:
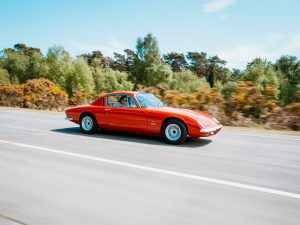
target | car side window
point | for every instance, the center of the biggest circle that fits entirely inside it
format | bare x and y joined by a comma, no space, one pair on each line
121,101
112,100
131,102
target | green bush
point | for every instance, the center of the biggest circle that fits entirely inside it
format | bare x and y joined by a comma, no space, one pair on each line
228,89
157,73
187,81
4,76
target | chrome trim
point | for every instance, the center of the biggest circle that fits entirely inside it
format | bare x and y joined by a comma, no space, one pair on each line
69,118
206,130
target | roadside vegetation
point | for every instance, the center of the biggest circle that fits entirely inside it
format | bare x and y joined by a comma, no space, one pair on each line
265,93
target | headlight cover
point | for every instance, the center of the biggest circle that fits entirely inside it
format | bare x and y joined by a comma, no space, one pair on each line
215,120
201,124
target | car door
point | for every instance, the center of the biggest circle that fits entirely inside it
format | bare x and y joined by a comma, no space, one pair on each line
120,117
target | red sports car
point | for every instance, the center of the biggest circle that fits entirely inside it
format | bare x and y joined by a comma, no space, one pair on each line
140,112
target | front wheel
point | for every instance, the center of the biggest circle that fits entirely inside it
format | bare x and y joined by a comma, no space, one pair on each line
88,124
174,131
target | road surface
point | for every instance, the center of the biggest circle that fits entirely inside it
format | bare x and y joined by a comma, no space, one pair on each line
51,173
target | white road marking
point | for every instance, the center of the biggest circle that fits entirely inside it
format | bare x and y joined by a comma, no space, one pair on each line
285,137
157,170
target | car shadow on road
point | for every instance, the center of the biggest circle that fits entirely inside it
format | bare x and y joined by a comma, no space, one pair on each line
135,138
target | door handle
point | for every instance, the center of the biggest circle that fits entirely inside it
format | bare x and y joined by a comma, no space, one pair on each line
107,109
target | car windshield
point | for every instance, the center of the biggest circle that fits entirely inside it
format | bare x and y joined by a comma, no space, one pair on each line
147,100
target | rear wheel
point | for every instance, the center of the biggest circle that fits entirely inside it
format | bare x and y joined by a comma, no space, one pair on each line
88,124
174,131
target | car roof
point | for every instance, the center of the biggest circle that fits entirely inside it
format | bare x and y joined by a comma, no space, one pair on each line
125,92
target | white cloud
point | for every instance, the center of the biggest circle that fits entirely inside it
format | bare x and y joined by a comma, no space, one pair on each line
294,42
271,48
275,38
217,5
239,56
222,16
108,49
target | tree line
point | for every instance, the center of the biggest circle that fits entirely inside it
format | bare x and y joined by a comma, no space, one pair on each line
145,67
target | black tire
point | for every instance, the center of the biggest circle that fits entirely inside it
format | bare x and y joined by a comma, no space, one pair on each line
173,126
88,123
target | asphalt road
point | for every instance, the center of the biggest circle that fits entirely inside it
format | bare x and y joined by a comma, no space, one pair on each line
50,173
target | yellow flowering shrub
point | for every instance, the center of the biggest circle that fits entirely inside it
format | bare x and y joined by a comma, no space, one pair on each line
11,95
206,99
287,117
246,99
293,108
81,98
78,98
44,94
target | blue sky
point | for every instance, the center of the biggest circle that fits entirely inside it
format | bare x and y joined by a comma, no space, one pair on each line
236,30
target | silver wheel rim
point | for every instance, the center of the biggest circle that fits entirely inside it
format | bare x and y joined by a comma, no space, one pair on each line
87,123
173,132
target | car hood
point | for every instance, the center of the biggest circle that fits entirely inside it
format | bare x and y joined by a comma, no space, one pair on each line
204,118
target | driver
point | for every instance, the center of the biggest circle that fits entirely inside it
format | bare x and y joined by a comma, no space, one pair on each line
123,101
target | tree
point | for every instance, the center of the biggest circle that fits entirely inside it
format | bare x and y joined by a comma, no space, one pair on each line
198,63
176,61
147,60
108,80
16,64
108,62
119,62
37,66
261,72
289,69
23,63
212,68
216,71
236,74
57,52
60,66
130,57
124,63
29,51
259,62
81,79
157,73
147,50
95,59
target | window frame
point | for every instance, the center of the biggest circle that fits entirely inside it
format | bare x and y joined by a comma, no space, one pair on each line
119,95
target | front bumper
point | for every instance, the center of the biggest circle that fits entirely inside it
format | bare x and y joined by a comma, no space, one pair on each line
211,129
68,118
